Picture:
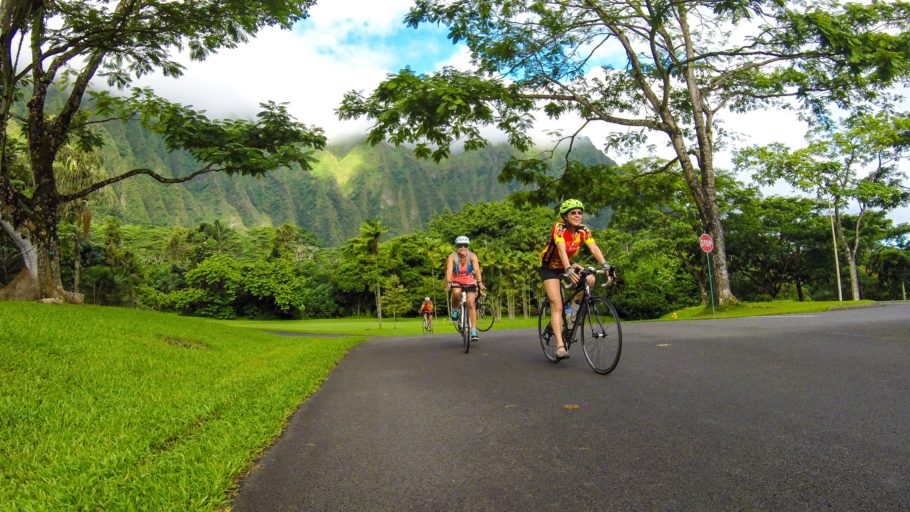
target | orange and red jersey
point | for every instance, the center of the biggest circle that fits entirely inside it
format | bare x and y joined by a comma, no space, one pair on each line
573,238
426,307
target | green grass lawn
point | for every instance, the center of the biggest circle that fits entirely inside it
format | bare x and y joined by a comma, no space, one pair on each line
412,326
369,326
784,307
118,409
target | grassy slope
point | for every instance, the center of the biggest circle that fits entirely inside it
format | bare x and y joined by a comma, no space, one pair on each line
115,409
784,307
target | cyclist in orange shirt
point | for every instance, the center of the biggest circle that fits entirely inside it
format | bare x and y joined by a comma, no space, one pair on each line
566,238
426,309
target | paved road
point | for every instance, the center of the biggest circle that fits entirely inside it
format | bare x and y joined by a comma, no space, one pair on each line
804,412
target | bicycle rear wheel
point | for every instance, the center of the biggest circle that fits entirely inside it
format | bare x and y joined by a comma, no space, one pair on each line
426,326
484,313
601,335
545,332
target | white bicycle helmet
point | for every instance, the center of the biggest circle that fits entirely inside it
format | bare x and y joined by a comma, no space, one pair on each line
462,240
426,299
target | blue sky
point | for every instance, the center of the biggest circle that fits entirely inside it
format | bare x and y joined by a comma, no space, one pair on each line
422,49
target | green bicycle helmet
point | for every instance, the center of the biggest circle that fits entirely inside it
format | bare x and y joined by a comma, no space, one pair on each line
570,204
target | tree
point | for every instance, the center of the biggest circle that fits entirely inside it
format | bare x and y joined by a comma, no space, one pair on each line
395,298
275,289
213,288
293,243
771,240
113,274
682,64
829,167
72,42
363,259
892,266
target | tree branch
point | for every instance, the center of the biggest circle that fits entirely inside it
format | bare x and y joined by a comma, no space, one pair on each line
65,198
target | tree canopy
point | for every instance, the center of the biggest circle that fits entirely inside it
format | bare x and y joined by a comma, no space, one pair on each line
670,67
50,53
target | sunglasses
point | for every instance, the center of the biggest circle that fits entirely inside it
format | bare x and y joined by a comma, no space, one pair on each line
461,245
576,212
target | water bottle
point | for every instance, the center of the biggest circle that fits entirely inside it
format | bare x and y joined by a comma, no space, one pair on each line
570,316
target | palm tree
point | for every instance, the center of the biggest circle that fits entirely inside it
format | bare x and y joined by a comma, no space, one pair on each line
366,248
76,169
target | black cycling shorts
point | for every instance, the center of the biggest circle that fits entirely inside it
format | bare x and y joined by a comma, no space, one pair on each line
547,273
469,288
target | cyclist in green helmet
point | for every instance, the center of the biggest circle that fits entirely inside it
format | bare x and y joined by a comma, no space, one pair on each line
566,237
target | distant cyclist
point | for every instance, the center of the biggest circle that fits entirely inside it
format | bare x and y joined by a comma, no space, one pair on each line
426,309
566,238
463,273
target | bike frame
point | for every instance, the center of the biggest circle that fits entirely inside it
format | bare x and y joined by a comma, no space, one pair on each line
568,335
464,320
585,288
606,341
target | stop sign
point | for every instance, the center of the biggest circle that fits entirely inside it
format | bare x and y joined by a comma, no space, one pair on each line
706,242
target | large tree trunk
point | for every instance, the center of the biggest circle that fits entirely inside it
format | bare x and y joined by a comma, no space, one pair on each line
719,260
854,275
23,287
40,276
851,252
705,191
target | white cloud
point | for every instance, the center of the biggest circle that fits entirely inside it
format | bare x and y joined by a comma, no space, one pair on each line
310,67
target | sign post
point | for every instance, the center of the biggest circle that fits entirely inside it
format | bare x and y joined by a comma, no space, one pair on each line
707,245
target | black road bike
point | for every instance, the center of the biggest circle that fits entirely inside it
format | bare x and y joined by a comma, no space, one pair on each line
596,325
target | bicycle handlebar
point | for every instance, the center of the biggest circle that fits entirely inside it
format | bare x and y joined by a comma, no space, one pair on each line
587,271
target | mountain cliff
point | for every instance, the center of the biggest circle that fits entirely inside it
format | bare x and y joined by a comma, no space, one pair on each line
350,181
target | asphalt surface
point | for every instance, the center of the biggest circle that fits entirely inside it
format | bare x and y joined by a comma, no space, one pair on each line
804,412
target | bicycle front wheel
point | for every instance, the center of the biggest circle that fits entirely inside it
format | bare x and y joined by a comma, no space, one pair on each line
465,330
545,332
484,313
601,335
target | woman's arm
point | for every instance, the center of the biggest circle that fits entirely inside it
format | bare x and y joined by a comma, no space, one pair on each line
563,255
598,254
450,262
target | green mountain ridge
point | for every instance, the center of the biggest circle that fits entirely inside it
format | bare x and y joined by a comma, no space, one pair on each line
350,182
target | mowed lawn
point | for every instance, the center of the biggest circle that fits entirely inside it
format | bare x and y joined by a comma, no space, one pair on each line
119,409
407,326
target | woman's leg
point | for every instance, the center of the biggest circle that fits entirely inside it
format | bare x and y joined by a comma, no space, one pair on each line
456,299
551,287
574,299
472,307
